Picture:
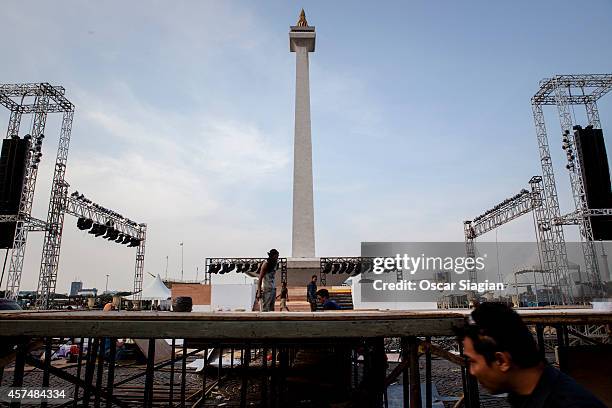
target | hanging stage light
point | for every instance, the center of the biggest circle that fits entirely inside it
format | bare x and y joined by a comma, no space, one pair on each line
327,268
350,268
343,267
84,223
336,268
227,268
119,238
254,267
97,229
357,270
101,230
134,242
109,232
126,239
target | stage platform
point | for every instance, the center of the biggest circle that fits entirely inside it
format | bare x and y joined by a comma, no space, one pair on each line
271,325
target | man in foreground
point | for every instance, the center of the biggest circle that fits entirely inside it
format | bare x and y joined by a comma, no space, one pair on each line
266,284
503,356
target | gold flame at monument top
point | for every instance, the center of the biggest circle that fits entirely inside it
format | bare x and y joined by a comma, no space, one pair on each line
302,21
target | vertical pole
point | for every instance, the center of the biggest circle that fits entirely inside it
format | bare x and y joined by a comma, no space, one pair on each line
148,391
172,357
19,367
274,383
220,364
100,373
375,370
355,369
415,380
112,351
92,350
428,388
45,381
78,373
405,346
284,366
264,377
465,374
204,376
183,373
245,380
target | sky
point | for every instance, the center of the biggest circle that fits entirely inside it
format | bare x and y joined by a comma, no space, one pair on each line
421,119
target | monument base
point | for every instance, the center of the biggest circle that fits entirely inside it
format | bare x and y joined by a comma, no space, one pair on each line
300,271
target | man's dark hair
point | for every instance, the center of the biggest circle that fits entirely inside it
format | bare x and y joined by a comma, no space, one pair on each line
273,252
312,277
324,293
495,327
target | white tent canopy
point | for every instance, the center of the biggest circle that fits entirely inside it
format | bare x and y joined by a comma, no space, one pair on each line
156,290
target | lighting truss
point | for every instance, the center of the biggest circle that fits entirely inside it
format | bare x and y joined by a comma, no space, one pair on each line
79,206
564,91
352,266
508,210
249,266
575,217
83,209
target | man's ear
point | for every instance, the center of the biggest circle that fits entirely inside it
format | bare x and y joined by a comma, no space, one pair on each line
503,361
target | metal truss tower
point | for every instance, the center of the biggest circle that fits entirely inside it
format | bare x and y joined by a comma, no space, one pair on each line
565,91
47,278
38,100
139,268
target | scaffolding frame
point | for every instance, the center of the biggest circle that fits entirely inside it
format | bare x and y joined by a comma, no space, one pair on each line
564,92
39,100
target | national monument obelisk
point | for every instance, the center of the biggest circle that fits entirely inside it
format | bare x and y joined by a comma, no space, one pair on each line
302,41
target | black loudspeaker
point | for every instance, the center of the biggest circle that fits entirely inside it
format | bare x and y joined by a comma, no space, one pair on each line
12,171
591,150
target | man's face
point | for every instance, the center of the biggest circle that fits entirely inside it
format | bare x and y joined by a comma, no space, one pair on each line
491,376
314,279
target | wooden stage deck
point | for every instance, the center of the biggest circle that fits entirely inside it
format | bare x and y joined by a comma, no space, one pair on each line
271,325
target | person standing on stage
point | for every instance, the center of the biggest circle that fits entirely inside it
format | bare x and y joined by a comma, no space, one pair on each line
284,295
311,293
266,285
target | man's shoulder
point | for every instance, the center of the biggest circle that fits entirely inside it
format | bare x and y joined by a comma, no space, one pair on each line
566,392
331,305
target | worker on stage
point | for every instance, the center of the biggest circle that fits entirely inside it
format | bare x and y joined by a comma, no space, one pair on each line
266,284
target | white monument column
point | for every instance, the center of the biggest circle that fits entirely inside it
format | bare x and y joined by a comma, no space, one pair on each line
302,41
